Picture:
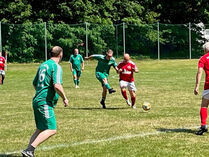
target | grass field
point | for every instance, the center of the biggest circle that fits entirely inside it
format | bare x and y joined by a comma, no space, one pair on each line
86,130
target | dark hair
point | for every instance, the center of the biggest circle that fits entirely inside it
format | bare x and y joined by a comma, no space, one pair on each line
56,50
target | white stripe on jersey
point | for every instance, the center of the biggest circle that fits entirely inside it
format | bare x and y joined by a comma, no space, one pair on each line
58,74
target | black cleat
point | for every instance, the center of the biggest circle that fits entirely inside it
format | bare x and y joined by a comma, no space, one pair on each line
111,91
26,153
202,129
102,102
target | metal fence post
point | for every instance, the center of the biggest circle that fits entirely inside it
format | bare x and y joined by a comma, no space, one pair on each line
86,39
0,39
45,38
124,38
158,40
190,42
116,27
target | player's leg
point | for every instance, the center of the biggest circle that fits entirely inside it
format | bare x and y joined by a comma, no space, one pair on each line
2,76
75,77
123,85
132,91
78,78
203,115
105,82
104,94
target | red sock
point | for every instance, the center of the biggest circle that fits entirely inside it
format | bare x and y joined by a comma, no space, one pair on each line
124,94
203,115
133,99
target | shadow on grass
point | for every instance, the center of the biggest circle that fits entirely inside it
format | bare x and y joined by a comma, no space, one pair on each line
9,155
184,130
97,108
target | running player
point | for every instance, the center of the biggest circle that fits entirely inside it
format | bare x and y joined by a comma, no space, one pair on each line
203,65
76,66
48,86
2,65
126,68
102,72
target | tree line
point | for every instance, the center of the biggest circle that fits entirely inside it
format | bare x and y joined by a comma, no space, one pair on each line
22,26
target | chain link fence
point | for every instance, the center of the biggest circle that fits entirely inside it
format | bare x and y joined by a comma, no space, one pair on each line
31,42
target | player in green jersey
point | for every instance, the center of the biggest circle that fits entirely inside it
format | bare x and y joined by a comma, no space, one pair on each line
102,72
48,86
76,66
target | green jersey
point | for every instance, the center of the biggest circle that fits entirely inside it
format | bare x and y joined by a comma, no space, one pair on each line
76,61
104,65
48,74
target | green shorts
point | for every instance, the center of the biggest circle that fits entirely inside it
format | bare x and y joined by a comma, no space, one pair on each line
76,72
44,117
100,76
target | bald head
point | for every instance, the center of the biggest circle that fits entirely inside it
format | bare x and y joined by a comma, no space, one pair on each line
56,50
126,57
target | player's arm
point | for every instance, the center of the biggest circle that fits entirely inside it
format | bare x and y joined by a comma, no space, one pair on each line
71,67
95,56
82,66
198,79
59,89
89,57
135,69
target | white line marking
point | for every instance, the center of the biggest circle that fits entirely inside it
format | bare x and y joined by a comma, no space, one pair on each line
65,145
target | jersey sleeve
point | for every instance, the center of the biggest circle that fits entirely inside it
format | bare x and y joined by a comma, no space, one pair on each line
114,63
81,59
201,62
35,80
57,74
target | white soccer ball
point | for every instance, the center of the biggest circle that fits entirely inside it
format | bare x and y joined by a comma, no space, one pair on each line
146,106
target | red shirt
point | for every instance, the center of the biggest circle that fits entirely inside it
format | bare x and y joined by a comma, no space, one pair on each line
204,63
127,73
2,62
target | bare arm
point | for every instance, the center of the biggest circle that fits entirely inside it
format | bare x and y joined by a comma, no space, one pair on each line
88,57
136,70
82,66
71,67
59,89
198,79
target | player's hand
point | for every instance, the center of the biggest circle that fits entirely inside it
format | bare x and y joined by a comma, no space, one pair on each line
82,69
120,70
196,91
65,102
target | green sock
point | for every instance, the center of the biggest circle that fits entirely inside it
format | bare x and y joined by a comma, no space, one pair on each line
75,81
107,86
78,81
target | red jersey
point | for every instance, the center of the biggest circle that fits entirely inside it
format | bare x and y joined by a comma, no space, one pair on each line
127,73
2,62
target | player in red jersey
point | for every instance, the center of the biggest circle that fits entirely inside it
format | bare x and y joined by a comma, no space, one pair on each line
126,69
203,65
2,65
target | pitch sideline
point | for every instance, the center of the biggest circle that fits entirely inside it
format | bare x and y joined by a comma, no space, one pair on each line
64,145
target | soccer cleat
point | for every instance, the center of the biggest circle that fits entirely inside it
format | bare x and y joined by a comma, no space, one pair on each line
111,91
202,129
128,102
134,107
102,102
26,153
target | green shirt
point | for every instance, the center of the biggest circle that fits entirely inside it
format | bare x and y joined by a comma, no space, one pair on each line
104,65
76,61
48,74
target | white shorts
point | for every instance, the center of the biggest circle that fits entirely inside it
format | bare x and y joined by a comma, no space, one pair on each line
205,94
131,86
2,72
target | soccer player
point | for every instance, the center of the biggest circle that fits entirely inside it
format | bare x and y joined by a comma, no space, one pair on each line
48,86
76,66
203,65
2,66
102,72
126,69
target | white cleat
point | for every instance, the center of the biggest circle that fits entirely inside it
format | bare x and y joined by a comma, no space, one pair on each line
76,86
134,107
128,102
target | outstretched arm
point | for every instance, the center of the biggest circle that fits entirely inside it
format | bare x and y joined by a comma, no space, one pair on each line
198,79
89,57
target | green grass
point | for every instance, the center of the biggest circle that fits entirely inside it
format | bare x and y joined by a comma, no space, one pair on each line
168,85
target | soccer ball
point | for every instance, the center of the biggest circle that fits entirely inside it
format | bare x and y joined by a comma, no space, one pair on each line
146,106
